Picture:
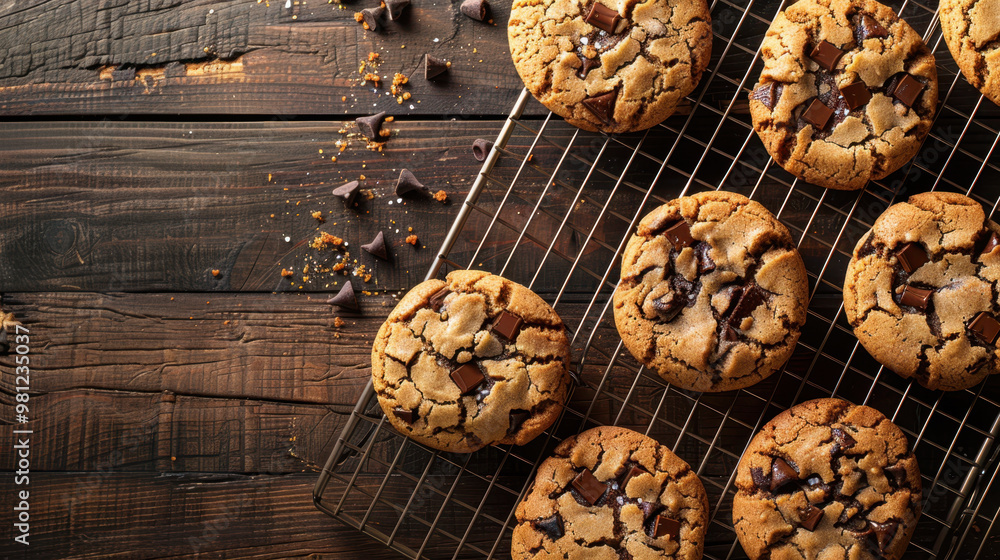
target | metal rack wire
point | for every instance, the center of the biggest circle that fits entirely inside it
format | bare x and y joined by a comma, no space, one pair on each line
552,209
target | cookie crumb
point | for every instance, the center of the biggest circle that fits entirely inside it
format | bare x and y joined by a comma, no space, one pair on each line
325,240
216,272
318,216
285,273
441,196
338,322
412,240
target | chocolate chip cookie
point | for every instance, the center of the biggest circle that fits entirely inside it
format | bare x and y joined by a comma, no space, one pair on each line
847,93
921,291
827,479
971,29
612,494
470,361
713,292
610,65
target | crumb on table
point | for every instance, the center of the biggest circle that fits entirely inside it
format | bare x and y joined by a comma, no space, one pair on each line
412,240
285,273
318,216
338,322
325,240
441,196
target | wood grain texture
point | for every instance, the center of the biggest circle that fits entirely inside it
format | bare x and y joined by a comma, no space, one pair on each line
243,57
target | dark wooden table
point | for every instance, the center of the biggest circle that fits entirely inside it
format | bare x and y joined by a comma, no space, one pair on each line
160,164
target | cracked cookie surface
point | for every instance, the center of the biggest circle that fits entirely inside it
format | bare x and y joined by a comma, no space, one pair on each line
610,65
713,292
827,479
922,291
612,494
847,94
972,30
470,361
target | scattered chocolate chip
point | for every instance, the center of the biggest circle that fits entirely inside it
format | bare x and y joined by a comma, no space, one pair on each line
377,247
396,8
705,262
407,183
907,89
826,54
434,67
915,297
855,94
475,9
553,526
761,478
810,516
481,149
666,527
992,244
679,235
633,472
4,343
751,298
768,94
667,309
348,192
985,327
781,473
345,298
911,257
868,28
586,65
507,325
517,417
589,488
842,439
405,414
603,17
437,300
467,377
602,106
883,533
371,125
817,114
371,16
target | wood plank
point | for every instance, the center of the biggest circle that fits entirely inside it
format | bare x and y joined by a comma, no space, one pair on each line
69,57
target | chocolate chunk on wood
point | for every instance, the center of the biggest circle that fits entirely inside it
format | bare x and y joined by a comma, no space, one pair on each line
407,183
396,8
602,106
603,17
768,94
434,67
811,515
911,257
586,65
868,28
371,126
371,16
985,327
856,94
630,474
679,235
916,297
817,114
589,488
345,298
437,300
666,527
467,377
781,473
507,325
826,54
907,89
517,418
553,526
348,192
405,414
377,247
475,9
481,149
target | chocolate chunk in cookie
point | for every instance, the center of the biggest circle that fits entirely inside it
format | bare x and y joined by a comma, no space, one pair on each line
603,17
856,94
906,89
985,327
826,55
602,106
589,488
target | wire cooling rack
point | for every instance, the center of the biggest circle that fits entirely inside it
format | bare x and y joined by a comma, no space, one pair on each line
552,209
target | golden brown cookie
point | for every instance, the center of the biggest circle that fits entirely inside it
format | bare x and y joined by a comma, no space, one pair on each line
471,361
971,29
610,65
847,94
713,292
921,290
611,494
827,479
